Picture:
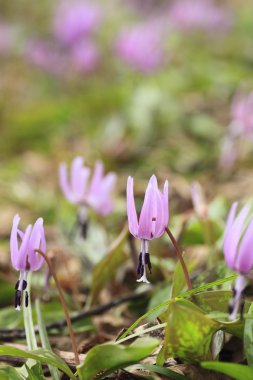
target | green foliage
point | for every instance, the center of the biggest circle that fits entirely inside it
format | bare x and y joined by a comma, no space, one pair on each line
41,356
103,359
7,373
189,332
236,371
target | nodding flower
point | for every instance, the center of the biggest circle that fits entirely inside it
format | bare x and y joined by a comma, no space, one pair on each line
24,258
153,220
238,252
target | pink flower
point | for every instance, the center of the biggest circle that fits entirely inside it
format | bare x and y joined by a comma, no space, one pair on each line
96,195
46,56
84,56
153,221
238,252
75,20
199,14
23,255
141,47
242,114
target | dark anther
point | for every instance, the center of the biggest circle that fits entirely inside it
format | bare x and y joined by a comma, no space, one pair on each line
148,262
26,299
17,285
17,298
139,264
24,285
153,219
234,292
142,270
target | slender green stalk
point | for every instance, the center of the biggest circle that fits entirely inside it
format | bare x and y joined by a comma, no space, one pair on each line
180,258
28,320
44,339
64,305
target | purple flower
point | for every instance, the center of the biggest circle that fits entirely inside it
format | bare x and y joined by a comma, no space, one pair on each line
237,246
96,194
242,114
153,221
23,255
199,14
75,20
46,56
141,47
84,56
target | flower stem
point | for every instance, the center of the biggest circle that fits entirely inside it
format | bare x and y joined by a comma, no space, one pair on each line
28,320
180,258
64,305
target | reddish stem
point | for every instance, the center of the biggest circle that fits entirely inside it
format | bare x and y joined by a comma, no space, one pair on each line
180,258
64,305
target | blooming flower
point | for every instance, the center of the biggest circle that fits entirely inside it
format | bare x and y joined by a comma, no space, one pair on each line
75,20
154,218
23,255
238,241
198,14
95,195
84,56
141,47
242,114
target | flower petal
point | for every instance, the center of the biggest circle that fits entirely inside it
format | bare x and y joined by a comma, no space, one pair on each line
37,240
233,234
64,184
244,258
24,249
14,241
148,216
131,210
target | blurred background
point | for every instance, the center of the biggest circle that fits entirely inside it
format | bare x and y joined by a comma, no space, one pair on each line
147,86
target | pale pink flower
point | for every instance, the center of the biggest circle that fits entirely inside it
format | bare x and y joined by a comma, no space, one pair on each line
75,20
23,255
242,114
142,47
84,56
199,14
153,220
96,194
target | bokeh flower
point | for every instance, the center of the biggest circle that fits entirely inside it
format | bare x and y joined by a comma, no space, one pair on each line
199,15
153,220
84,56
75,20
242,114
238,243
23,255
142,47
96,194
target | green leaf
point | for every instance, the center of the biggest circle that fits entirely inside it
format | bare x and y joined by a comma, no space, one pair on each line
189,332
248,338
44,339
40,355
236,371
7,373
104,359
161,370
153,312
34,373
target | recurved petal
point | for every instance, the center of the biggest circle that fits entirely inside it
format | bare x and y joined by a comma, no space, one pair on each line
37,241
131,210
76,169
24,250
14,241
233,236
166,203
244,258
159,223
64,184
97,177
148,214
